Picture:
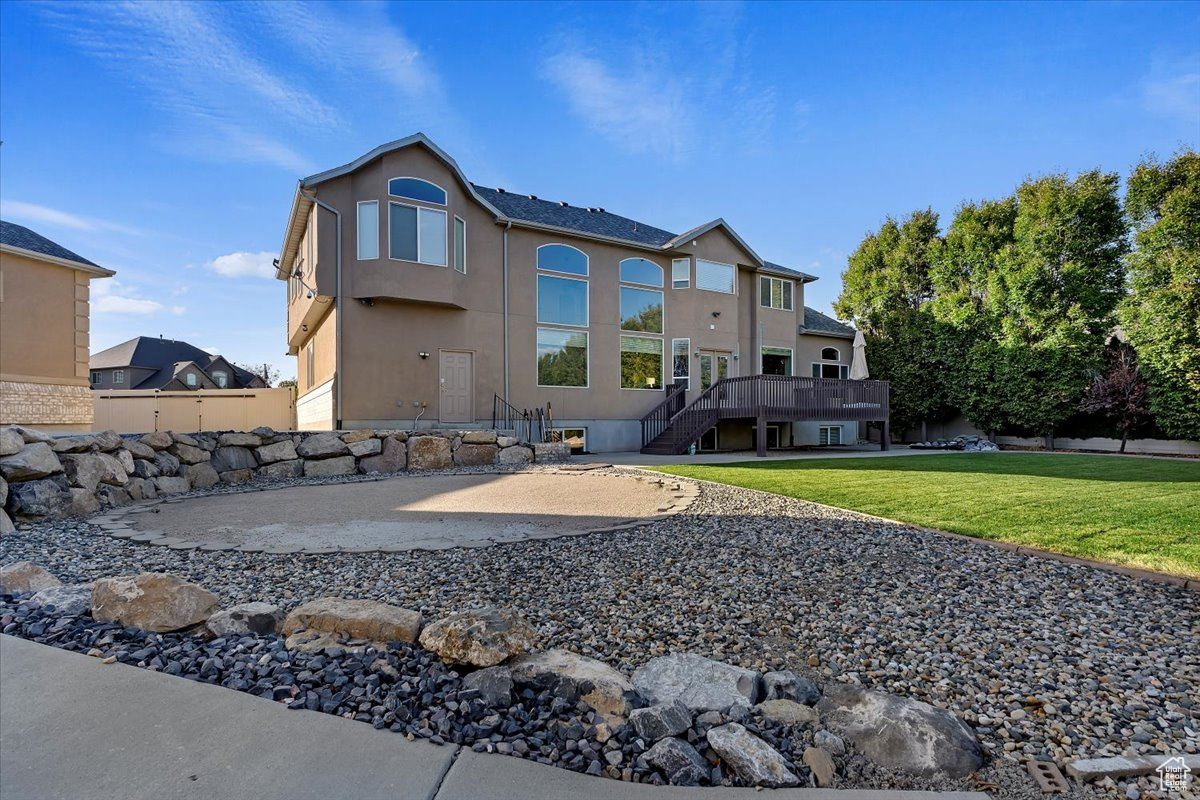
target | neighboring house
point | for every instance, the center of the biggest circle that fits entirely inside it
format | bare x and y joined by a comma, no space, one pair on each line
412,292
165,364
44,324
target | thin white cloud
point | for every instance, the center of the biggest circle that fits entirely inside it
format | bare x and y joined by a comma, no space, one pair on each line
31,212
244,265
110,296
1175,96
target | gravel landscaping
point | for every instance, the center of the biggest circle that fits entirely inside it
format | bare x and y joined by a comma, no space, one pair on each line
1043,659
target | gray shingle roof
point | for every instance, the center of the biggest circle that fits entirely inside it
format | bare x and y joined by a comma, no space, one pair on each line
817,323
795,273
162,355
15,235
596,222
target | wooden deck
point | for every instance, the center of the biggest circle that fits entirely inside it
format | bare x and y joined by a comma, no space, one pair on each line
672,426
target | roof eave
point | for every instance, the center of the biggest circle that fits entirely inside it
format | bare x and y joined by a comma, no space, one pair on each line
830,334
91,269
708,226
297,221
518,223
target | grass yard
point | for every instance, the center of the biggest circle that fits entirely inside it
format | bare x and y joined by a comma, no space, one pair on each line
1136,512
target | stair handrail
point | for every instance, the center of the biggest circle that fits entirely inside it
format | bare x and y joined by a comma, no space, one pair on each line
658,419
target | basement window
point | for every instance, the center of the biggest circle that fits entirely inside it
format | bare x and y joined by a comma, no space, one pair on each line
830,434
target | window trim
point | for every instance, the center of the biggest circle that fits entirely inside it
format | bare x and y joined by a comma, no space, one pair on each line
837,353
719,264
587,299
687,352
190,380
662,362
587,260
826,430
687,281
418,209
843,369
768,301
454,238
445,195
118,376
662,276
587,356
224,375
97,376
358,231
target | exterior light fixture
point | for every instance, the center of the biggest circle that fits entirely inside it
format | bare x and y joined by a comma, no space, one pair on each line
423,354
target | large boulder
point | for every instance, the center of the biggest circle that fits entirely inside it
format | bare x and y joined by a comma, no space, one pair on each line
83,502
171,485
74,444
6,523
125,459
357,619
660,721
113,472
31,462
11,441
84,470
200,476
357,436
107,441
787,685
30,436
158,440
364,447
280,451
480,637
678,762
261,619
393,457
48,497
167,464
25,576
754,761
69,601
609,688
152,601
232,457
494,684
3,492
282,469
514,456
322,445
235,439
787,712
189,454
139,450
475,455
699,683
113,495
428,452
479,437
143,468
900,733
328,467
237,476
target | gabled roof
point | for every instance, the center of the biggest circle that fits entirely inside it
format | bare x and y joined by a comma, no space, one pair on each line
700,230
594,221
21,239
166,356
818,324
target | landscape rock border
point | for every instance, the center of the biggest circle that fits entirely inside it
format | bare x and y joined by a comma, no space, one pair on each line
118,522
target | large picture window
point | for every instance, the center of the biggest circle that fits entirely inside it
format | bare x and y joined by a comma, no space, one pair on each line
641,362
713,276
775,293
562,301
562,258
641,310
830,371
417,234
776,361
368,230
562,358
681,361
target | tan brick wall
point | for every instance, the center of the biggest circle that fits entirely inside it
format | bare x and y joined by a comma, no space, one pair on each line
49,405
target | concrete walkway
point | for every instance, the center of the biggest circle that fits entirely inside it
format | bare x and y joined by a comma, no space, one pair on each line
72,727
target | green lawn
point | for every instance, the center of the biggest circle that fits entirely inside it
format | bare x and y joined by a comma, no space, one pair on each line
1135,512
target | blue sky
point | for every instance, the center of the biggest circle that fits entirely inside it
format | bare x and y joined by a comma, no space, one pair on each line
164,140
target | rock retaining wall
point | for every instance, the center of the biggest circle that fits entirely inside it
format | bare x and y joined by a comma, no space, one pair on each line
45,476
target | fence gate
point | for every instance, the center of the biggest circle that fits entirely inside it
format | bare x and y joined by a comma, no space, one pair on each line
200,410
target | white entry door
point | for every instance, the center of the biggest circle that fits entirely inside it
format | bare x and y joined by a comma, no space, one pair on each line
457,386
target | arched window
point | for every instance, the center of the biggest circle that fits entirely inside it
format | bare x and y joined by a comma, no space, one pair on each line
562,258
830,354
641,270
221,378
417,189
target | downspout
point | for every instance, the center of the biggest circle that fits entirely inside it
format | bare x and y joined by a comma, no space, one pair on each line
505,294
338,310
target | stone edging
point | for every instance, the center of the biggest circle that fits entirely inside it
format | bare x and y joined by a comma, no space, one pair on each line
116,523
1190,584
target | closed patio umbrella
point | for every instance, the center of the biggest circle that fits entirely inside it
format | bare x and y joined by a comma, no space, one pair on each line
858,366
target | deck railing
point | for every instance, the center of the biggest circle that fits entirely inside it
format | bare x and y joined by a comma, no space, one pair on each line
658,419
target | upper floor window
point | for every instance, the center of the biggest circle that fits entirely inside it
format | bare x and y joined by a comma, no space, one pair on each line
641,270
831,354
775,293
562,258
416,234
191,379
713,276
641,310
681,273
96,377
368,230
562,301
417,189
460,245
118,376
221,379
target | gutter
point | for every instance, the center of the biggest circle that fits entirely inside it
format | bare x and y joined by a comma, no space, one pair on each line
337,300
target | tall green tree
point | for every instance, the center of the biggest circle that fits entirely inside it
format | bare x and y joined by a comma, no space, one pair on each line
1161,316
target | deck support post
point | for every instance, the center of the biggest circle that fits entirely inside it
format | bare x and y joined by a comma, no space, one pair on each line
885,438
760,435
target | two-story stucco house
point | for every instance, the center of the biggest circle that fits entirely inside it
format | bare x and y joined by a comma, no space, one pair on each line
44,331
417,297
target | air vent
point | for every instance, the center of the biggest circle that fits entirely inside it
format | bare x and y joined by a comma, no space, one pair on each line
533,197
500,189
563,203
601,210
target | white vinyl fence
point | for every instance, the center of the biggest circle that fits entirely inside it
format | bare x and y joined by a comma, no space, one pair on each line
139,411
